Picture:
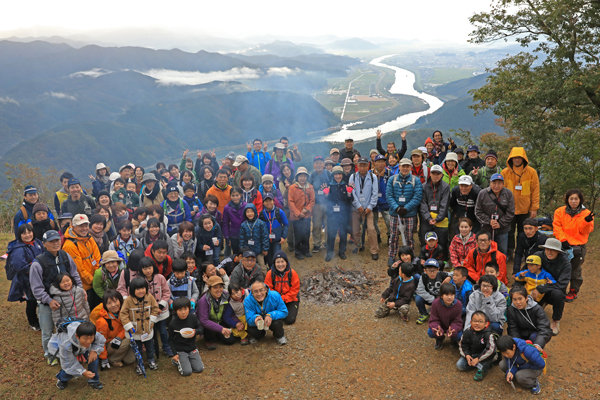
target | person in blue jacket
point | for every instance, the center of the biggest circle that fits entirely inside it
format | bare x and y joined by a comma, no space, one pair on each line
254,234
277,226
30,198
522,362
382,208
176,210
265,310
259,157
403,193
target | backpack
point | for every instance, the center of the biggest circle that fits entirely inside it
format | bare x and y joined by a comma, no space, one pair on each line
61,327
543,354
277,216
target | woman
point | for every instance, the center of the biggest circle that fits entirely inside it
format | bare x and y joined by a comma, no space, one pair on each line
156,211
487,298
211,308
21,252
207,159
151,193
452,171
138,178
152,233
184,241
463,243
441,148
104,198
185,178
206,181
97,225
106,213
393,162
101,181
573,224
120,213
284,280
526,319
286,179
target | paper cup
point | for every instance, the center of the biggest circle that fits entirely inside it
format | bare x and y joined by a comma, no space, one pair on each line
215,241
260,325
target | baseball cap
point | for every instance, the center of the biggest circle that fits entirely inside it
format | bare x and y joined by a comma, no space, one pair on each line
534,260
363,160
430,235
379,157
65,216
50,236
73,181
437,168
317,158
30,189
349,139
239,160
268,196
465,180
248,253
405,161
497,177
80,219
432,262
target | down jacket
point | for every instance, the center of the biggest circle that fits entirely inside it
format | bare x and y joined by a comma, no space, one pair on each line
272,305
254,230
528,197
408,188
72,303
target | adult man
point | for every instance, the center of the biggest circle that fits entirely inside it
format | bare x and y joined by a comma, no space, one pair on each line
486,251
61,195
383,208
419,169
473,160
301,200
434,208
259,156
462,203
274,165
366,188
403,193
44,270
242,165
30,199
334,154
481,176
294,154
247,271
529,242
151,193
265,309
126,172
523,182
495,210
221,190
556,263
348,151
159,252
460,154
77,202
319,178
391,146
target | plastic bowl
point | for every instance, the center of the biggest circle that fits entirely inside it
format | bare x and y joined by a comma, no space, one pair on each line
187,332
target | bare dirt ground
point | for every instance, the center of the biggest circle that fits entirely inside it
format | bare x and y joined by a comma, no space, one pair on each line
333,352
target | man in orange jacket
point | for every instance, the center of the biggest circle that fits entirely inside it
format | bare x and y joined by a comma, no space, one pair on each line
301,199
486,251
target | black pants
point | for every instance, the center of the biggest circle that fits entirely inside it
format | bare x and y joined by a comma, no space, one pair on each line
301,236
556,298
31,312
516,224
93,298
276,327
292,307
212,337
337,223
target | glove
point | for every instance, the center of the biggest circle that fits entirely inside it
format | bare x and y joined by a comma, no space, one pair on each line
193,305
590,217
566,245
104,364
326,190
401,211
116,342
349,189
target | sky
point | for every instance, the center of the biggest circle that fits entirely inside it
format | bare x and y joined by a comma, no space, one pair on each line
429,20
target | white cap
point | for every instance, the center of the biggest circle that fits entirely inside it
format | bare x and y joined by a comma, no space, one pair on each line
239,160
349,138
114,176
437,168
465,180
423,149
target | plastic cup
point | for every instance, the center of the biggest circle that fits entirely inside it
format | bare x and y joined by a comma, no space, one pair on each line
260,324
215,240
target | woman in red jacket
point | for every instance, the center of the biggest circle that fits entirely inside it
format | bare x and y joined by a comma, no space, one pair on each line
284,280
572,225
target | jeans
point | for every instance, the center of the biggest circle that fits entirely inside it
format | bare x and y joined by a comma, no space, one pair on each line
455,338
47,325
501,240
420,302
161,328
463,365
150,350
92,367
496,327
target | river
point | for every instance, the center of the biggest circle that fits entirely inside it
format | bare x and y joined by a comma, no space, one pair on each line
404,84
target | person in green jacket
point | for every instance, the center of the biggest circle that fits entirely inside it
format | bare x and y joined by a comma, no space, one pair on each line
107,276
187,164
481,176
452,170
127,196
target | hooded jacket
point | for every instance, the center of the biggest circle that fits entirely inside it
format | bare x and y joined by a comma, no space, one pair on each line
559,268
69,348
400,292
476,260
20,218
404,191
459,251
140,314
20,257
485,207
159,289
272,305
532,281
494,306
254,230
299,199
366,189
85,254
434,203
275,226
478,344
115,329
526,247
523,323
451,178
573,229
258,159
527,198
243,278
286,283
463,293
73,303
253,196
445,317
338,195
233,216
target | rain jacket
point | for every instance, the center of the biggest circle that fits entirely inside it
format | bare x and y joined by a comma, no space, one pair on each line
286,284
408,187
523,323
140,314
69,348
258,159
528,197
494,306
273,167
233,216
382,204
85,254
365,193
576,230
317,181
463,293
253,196
300,199
115,329
476,260
20,257
272,306
254,230
459,250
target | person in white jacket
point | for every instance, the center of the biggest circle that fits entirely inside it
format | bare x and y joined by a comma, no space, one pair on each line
365,193
487,298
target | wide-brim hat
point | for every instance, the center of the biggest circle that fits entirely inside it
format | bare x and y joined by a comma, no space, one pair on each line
553,244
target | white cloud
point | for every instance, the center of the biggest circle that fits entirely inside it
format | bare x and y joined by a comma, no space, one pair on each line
59,95
8,100
283,71
92,73
172,77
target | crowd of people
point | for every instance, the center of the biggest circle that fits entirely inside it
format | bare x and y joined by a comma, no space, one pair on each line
159,258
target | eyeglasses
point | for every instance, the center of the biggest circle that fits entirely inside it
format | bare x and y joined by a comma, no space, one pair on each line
486,286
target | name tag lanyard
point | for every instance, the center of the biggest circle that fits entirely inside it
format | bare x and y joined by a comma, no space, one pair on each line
268,215
518,186
251,241
433,206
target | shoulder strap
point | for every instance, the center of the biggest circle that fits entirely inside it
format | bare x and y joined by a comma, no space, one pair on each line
24,212
495,200
127,277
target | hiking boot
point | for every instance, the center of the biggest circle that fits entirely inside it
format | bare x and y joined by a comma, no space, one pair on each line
422,319
571,296
390,261
536,388
439,344
281,341
316,249
52,362
479,375
555,326
299,257
35,327
152,365
252,340
343,256
291,249
308,255
61,385
210,346
374,257
96,385
328,257
244,342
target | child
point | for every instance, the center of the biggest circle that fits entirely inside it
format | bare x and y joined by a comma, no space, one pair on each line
117,193
464,288
399,294
208,270
175,209
138,316
477,346
534,276
189,196
139,222
79,343
406,255
209,237
521,362
235,314
254,234
116,348
233,216
488,299
125,243
249,192
428,287
268,188
277,226
70,297
152,234
211,206
183,241
432,250
446,318
284,280
182,284
492,268
527,320
186,358
107,276
463,243
132,199
159,289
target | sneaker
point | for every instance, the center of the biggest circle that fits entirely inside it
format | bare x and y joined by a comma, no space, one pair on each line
152,365
536,388
374,257
168,352
252,340
328,257
355,250
54,361
61,385
343,256
479,375
308,255
571,296
104,364
422,319
281,341
177,365
210,346
96,385
555,326
439,344
35,327
245,342
138,370
299,256
316,249
390,261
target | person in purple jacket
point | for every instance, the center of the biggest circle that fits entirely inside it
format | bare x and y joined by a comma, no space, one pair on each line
274,165
446,317
211,311
233,216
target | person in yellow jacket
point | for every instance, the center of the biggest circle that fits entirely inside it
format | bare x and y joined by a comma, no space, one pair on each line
522,180
85,253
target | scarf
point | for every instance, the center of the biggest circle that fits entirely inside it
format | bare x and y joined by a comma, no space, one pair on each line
123,217
216,303
303,187
178,282
98,237
151,194
574,211
236,206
